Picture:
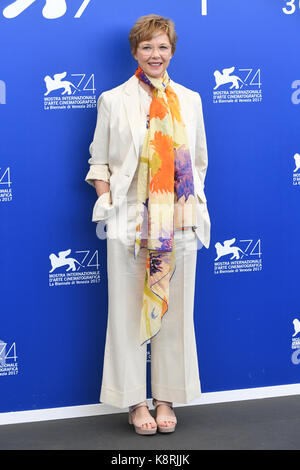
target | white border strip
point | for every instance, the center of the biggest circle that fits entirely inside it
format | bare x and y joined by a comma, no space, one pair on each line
48,414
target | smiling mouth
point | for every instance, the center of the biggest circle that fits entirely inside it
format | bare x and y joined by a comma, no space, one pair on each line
155,64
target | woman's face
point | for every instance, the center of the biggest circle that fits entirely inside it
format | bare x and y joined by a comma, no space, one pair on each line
154,56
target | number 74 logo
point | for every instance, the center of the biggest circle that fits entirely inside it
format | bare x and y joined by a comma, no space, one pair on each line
10,354
52,9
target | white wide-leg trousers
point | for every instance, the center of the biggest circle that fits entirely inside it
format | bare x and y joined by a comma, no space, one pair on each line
174,361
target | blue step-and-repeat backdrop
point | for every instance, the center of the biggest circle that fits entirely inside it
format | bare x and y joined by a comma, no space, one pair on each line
57,57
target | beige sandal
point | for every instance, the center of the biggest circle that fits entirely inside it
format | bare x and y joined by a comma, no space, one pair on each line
137,423
162,418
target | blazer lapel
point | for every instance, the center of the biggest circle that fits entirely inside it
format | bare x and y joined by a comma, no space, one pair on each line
132,105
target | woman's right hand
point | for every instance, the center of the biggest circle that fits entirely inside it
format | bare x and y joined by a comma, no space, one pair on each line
101,187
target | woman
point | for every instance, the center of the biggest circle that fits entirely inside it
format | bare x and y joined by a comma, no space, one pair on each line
148,164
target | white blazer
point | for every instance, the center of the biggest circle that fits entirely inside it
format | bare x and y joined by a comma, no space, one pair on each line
115,147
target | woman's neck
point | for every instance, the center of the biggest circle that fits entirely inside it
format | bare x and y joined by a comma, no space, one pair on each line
146,87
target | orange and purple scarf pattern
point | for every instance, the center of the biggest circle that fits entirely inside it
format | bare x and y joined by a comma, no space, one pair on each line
165,198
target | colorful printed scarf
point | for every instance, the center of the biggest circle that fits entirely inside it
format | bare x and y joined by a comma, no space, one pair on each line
165,198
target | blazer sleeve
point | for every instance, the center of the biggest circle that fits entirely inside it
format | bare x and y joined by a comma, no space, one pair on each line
98,149
201,157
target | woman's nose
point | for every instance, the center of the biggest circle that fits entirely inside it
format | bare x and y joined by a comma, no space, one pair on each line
155,55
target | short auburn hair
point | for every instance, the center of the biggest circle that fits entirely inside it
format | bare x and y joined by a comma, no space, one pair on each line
146,26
